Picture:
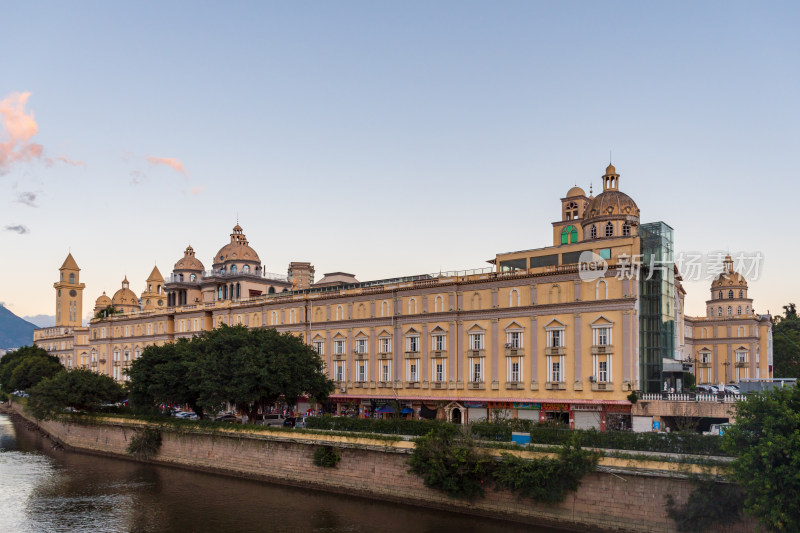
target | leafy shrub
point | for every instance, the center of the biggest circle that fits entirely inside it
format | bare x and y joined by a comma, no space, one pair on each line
144,444
710,504
326,456
678,442
392,426
492,431
633,397
448,461
546,480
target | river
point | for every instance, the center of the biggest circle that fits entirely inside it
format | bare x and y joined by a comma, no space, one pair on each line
43,489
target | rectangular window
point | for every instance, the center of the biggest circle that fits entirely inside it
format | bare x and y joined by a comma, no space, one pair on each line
385,345
438,370
339,371
338,347
602,336
386,370
361,345
362,371
412,344
555,371
476,369
439,343
514,370
412,370
602,371
319,347
514,339
476,341
555,338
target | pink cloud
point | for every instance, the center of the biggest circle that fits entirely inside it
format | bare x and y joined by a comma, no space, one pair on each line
171,162
74,163
19,127
194,191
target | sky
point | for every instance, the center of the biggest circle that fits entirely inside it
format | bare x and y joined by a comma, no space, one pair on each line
388,138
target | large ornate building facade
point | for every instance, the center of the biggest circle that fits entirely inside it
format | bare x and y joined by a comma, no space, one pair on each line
562,332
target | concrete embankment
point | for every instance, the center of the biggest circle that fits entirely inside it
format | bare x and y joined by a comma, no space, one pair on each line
624,495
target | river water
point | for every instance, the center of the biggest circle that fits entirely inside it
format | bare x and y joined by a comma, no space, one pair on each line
48,490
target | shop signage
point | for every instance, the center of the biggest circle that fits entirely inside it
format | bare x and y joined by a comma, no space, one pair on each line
499,405
555,407
618,408
475,405
585,407
527,405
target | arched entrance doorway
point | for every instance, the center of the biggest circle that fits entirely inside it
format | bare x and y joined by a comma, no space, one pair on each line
456,416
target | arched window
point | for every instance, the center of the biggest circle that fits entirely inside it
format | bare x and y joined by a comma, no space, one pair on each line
513,298
730,311
271,290
555,294
385,308
339,312
476,301
571,211
593,231
747,310
730,295
626,230
739,310
438,304
233,269
719,296
741,293
710,311
609,230
569,235
246,269
601,290
412,306
192,277
72,278
719,311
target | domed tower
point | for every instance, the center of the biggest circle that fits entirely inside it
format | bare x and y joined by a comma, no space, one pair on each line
125,299
102,303
611,213
154,296
729,294
237,256
69,294
183,286
573,207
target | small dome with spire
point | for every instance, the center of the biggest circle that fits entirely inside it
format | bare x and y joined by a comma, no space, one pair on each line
188,262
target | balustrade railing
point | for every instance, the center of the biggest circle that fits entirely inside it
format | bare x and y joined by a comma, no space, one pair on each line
691,397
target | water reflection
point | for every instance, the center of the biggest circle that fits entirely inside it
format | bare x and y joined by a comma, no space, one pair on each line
42,489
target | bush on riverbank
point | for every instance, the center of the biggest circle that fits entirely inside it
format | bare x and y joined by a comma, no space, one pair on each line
679,442
391,426
327,457
145,444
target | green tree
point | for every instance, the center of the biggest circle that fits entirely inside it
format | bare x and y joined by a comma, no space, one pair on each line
766,442
107,311
786,343
79,389
27,366
166,375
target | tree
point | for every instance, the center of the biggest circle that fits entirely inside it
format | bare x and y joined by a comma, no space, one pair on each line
27,366
786,343
166,375
765,439
107,311
79,389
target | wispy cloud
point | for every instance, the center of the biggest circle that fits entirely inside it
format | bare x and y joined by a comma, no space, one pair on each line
22,230
171,162
27,198
19,127
73,162
194,191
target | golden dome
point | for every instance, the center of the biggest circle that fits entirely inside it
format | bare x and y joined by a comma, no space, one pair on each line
729,278
125,297
611,203
189,261
575,191
610,170
103,301
238,250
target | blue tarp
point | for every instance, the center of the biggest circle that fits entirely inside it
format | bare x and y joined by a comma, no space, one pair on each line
406,411
385,409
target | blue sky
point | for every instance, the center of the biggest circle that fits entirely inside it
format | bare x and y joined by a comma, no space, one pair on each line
390,139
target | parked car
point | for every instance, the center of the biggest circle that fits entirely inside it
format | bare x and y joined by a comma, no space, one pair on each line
228,417
732,389
272,419
706,389
187,415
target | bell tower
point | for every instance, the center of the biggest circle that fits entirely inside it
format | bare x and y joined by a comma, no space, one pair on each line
69,294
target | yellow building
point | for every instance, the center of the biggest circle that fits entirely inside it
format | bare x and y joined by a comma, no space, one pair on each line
562,332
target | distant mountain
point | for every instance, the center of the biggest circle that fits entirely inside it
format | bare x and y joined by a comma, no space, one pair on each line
41,321
14,331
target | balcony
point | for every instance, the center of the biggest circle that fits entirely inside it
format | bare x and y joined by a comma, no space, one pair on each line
703,364
515,385
360,356
412,355
438,354
476,385
115,363
514,352
559,350
741,364
412,384
602,349
102,360
438,384
385,355
555,385
476,353
600,386
339,356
